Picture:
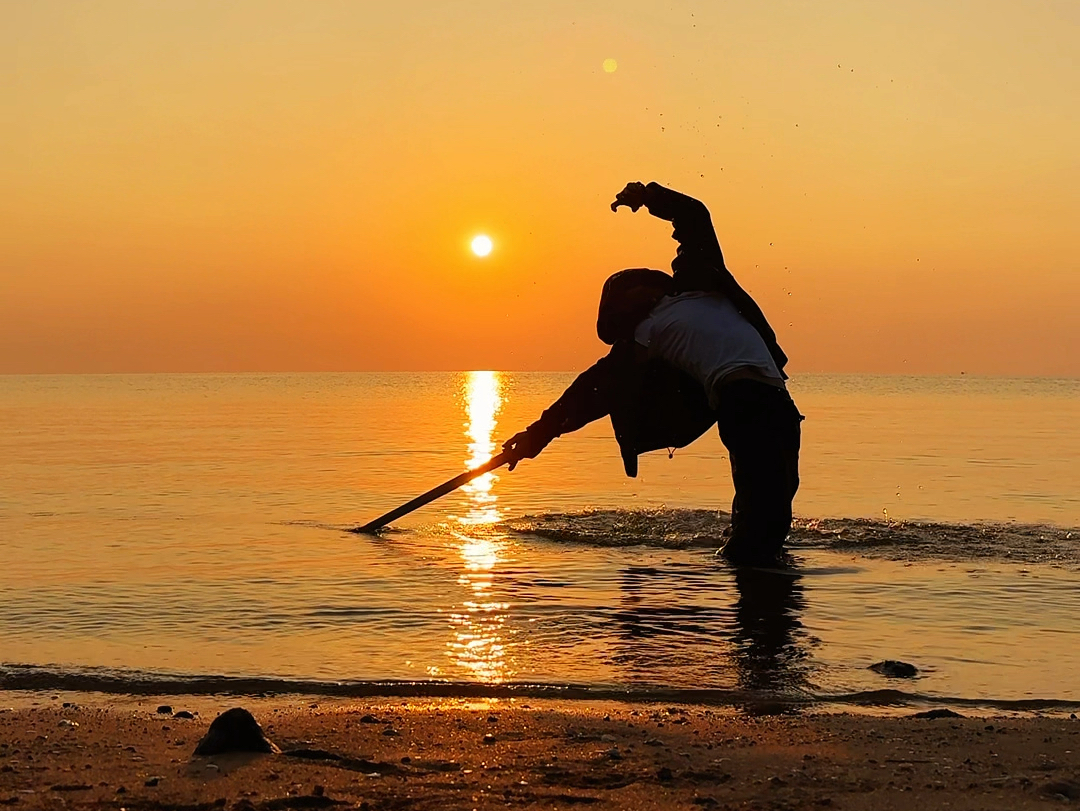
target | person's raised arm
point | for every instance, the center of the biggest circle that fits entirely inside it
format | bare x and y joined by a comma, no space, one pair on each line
699,262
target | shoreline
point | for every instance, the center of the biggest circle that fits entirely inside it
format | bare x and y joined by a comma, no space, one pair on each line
100,751
16,679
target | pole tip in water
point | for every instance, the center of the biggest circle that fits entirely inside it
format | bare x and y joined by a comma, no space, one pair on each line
367,529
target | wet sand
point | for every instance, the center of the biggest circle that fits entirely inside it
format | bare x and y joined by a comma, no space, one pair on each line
118,752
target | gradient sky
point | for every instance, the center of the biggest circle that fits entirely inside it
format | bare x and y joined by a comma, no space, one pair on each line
263,185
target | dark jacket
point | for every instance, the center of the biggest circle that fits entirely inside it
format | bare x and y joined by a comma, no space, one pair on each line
653,405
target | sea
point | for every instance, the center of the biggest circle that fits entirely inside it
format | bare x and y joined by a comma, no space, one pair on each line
189,534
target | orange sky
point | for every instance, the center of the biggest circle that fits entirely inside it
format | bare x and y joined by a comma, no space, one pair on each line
261,185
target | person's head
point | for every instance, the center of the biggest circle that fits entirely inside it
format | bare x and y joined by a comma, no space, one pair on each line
628,296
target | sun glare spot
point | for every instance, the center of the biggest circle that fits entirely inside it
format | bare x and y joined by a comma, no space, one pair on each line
482,245
610,66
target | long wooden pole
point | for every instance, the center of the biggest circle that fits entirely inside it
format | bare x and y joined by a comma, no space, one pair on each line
436,492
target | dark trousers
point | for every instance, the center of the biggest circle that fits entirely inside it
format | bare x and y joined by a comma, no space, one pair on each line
759,425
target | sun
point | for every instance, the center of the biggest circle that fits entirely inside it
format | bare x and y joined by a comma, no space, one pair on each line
482,245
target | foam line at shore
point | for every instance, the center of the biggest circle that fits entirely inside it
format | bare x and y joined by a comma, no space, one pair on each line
115,682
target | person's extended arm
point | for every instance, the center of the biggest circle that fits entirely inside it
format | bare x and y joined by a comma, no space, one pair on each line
587,399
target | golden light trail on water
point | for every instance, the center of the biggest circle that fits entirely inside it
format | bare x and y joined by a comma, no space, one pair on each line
477,645
483,399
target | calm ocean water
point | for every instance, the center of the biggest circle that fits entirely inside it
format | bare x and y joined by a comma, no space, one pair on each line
157,532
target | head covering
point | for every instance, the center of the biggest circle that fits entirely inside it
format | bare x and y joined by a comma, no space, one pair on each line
619,314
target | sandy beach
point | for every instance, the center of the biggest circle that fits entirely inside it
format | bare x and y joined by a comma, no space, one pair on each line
93,751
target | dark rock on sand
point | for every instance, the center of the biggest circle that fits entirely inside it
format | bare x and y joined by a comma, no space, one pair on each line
164,709
1063,788
183,714
235,730
937,713
895,669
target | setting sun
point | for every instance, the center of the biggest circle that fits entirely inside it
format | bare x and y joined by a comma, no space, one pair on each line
482,245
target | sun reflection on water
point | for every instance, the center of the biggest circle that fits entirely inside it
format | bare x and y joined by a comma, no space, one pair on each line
483,399
478,645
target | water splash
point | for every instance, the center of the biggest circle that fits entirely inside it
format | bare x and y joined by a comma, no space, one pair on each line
890,539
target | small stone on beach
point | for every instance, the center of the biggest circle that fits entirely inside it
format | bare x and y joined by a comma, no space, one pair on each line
1063,788
937,713
235,730
895,669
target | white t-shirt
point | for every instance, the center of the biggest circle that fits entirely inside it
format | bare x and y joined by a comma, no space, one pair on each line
705,336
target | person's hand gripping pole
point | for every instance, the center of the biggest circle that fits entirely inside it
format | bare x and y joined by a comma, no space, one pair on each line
526,444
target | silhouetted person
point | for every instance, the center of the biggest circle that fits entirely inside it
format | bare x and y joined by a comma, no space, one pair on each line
689,350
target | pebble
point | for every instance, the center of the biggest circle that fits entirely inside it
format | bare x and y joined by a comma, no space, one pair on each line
488,739
895,669
1063,788
940,712
235,730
